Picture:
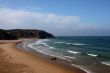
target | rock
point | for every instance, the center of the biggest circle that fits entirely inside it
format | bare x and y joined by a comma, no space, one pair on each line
53,58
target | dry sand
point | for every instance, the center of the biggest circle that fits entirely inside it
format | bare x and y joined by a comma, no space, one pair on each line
13,60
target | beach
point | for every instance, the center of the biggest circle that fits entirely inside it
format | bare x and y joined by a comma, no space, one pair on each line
14,60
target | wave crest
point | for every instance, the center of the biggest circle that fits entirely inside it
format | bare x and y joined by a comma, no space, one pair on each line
74,52
94,55
59,42
77,44
106,63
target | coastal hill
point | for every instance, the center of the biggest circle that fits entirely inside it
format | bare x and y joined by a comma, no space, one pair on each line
23,33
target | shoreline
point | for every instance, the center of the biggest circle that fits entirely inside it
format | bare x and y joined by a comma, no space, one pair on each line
93,66
50,58
35,63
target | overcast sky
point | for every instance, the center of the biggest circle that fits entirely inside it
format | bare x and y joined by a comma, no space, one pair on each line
59,17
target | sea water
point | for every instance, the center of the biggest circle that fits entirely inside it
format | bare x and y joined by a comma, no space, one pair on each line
90,53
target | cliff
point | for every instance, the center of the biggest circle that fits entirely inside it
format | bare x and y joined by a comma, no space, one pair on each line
23,33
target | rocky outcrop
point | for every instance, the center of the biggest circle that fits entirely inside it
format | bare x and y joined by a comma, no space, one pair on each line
24,33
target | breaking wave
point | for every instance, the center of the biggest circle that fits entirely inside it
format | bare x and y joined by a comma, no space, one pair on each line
74,52
77,44
106,63
93,55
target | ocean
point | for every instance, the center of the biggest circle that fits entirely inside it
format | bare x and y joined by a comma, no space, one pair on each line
90,53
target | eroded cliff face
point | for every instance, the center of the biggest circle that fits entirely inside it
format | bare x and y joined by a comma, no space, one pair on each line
23,33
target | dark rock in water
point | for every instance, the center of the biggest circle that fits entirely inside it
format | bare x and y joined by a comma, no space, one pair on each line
23,33
53,58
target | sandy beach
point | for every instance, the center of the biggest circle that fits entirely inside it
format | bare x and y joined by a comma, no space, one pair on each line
13,60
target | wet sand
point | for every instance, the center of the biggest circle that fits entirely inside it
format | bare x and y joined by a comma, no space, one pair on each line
13,60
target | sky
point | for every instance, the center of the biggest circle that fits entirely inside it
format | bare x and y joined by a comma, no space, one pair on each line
59,17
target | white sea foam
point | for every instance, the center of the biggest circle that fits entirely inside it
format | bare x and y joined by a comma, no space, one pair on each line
38,42
70,57
80,44
42,42
24,45
68,43
106,63
82,67
94,55
41,51
46,39
30,45
74,52
59,42
50,47
46,53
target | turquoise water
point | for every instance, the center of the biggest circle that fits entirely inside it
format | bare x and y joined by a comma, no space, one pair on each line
89,53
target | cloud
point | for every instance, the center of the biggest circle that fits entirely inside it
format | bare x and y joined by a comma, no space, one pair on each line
15,16
57,24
